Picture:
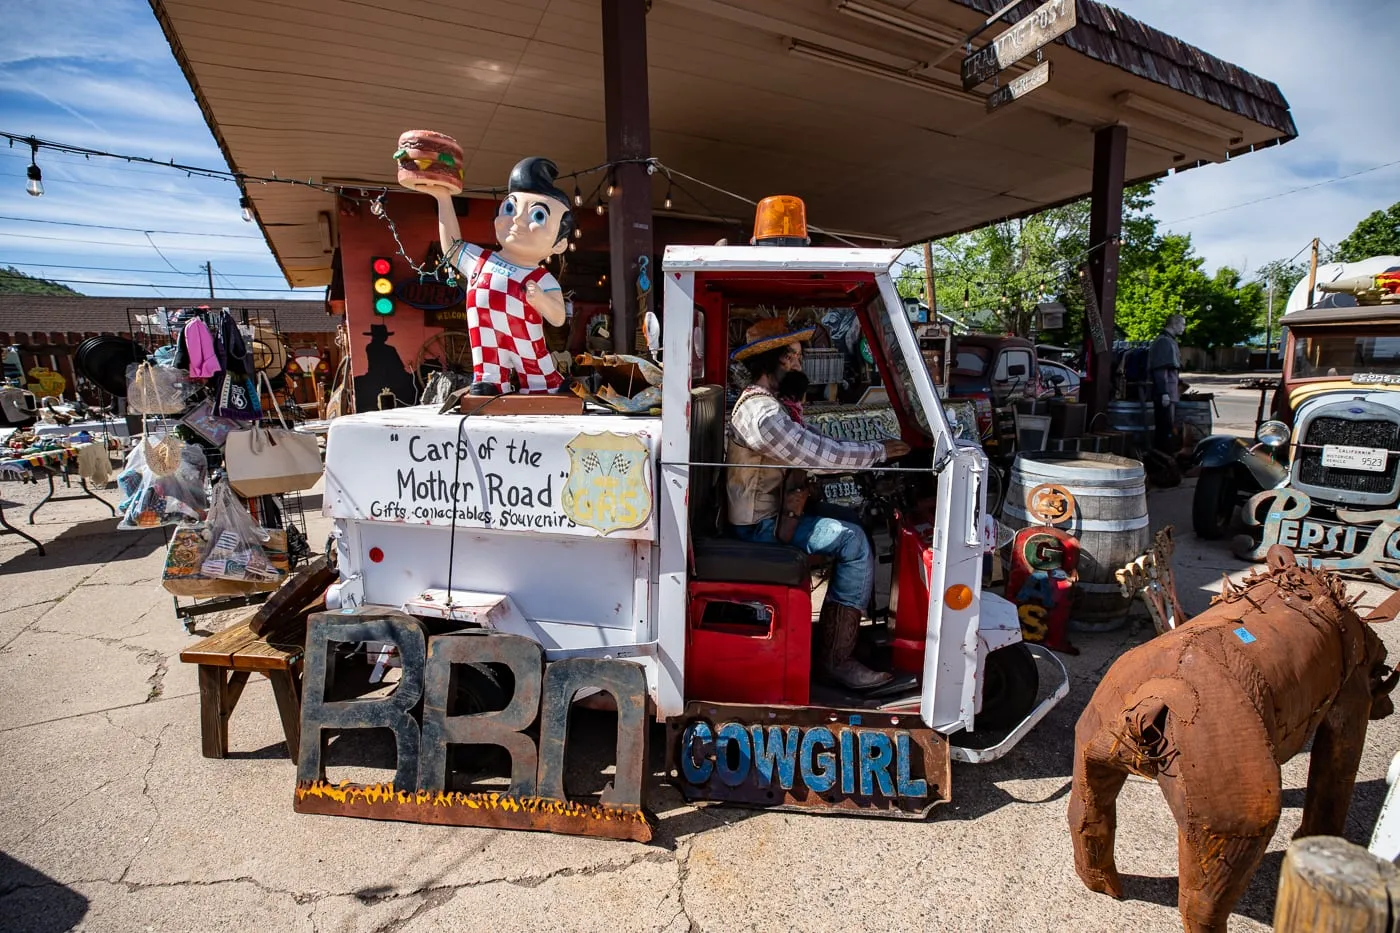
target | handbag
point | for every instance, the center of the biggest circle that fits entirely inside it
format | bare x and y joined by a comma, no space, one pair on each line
238,398
212,427
156,390
795,493
263,461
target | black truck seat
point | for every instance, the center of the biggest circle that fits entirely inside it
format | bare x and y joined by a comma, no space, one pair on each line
723,559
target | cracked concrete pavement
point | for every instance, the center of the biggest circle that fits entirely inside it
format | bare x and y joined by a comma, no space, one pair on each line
114,821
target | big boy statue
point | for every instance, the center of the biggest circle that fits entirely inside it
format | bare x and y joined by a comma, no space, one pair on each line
509,293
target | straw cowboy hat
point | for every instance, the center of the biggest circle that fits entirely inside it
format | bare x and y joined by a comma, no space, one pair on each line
770,334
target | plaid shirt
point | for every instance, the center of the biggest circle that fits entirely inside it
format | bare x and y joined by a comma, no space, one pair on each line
761,423
762,433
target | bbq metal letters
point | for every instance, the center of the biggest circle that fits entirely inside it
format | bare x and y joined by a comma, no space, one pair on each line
419,792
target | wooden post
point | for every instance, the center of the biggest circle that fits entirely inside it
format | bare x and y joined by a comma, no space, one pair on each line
1105,226
1329,885
931,298
1312,273
626,106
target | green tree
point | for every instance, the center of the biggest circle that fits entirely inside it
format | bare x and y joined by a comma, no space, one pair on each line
1376,235
1219,311
15,282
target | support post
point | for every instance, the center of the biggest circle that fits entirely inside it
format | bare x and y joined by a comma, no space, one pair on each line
1329,885
1105,227
1312,274
626,105
930,296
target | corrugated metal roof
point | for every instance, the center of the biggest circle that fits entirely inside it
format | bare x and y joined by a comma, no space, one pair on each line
86,314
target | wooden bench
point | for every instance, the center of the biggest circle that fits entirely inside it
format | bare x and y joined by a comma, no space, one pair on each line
226,660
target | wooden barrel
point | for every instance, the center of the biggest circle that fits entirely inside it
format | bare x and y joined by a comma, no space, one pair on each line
1109,519
1134,419
1195,412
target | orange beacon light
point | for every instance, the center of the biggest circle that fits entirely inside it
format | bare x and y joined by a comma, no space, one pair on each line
781,220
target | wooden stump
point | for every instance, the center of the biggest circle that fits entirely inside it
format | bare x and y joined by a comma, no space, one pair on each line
1329,885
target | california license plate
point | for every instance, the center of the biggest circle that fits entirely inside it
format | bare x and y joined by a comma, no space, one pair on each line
1370,459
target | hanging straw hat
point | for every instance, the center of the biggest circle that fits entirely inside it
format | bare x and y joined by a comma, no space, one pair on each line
770,334
164,456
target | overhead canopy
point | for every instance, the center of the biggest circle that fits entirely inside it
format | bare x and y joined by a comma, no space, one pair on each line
831,101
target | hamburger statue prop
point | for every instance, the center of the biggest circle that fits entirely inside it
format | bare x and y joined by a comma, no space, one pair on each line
509,293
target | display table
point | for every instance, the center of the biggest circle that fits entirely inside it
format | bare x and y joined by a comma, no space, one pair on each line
31,464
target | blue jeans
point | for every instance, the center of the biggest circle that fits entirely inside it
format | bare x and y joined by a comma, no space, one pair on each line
853,575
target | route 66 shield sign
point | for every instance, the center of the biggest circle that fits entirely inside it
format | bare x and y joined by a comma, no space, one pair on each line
608,487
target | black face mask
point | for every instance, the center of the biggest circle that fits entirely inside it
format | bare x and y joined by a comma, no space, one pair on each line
793,385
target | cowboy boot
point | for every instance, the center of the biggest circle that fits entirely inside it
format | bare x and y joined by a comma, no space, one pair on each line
836,635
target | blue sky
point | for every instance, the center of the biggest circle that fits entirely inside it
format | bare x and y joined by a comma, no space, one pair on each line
100,74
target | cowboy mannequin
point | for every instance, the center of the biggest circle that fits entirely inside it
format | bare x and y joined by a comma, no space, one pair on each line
762,433
1164,366
509,293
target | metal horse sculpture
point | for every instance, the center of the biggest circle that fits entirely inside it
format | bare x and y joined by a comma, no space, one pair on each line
1211,709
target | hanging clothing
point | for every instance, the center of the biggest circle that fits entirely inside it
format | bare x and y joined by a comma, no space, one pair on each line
198,346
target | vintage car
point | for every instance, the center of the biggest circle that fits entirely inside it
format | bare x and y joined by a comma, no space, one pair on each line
999,368
1329,454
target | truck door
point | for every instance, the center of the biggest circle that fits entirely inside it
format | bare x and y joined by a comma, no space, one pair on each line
949,682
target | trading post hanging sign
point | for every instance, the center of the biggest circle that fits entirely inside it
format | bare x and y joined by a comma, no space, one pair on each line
1040,27
494,473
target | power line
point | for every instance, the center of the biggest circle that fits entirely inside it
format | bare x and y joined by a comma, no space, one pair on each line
1281,194
74,223
91,242
243,178
84,181
152,285
55,265
163,256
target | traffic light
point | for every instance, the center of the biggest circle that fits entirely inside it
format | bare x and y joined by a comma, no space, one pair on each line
381,267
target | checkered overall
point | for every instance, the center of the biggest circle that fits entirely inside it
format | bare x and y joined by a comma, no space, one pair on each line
506,333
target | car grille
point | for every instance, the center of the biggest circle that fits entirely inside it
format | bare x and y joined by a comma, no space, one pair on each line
1344,431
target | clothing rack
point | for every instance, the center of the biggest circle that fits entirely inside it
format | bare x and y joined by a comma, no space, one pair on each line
156,327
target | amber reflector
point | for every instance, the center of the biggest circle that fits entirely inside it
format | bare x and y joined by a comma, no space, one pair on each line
958,596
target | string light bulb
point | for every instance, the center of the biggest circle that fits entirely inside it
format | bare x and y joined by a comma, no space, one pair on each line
35,184
578,197
246,207
578,233
600,209
668,202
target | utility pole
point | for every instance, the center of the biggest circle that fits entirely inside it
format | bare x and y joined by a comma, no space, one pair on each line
209,268
1269,327
931,300
1312,273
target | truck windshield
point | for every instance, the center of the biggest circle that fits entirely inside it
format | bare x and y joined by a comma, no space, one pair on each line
1317,357
904,381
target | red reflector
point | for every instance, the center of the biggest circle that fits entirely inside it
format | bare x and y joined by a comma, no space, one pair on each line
381,267
376,555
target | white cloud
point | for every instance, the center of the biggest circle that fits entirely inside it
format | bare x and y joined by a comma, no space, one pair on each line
1323,58
95,30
